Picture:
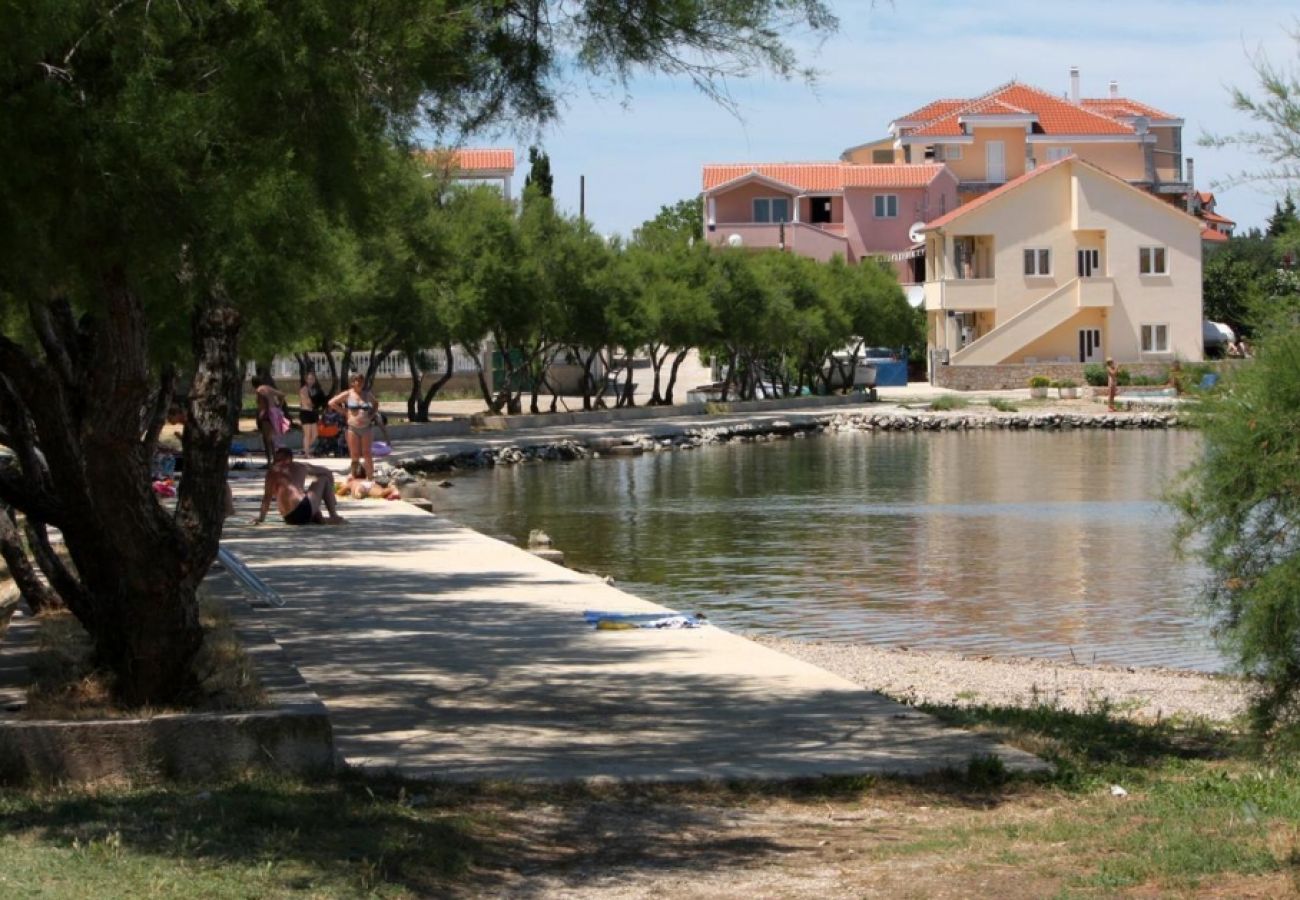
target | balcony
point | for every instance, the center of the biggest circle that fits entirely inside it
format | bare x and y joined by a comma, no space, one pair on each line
964,294
813,241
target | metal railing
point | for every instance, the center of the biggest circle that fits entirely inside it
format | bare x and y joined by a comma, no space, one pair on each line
395,366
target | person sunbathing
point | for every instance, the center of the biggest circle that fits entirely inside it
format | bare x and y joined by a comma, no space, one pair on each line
359,487
286,482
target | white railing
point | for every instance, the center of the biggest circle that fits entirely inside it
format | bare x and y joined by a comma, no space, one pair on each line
395,366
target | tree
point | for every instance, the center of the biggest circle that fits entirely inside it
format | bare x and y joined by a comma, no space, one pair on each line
679,224
1284,217
539,172
173,175
1240,508
1240,504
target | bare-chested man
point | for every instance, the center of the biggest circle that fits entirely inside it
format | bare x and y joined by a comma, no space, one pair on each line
286,481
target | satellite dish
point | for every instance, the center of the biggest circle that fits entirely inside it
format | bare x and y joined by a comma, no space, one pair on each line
915,234
735,240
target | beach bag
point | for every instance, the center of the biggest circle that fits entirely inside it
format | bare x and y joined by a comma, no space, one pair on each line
379,448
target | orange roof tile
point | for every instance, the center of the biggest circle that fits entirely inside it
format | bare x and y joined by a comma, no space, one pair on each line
1055,116
932,110
473,159
997,192
1217,237
825,176
1215,217
1123,106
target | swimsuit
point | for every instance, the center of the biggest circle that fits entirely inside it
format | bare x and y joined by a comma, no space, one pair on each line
355,406
302,514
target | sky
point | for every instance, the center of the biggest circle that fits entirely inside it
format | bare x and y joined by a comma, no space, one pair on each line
644,150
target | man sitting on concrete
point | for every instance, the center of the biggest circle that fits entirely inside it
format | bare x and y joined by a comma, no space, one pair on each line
300,505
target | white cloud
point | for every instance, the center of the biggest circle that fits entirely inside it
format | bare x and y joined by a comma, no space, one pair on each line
889,58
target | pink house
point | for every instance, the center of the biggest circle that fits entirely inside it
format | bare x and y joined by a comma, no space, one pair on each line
824,209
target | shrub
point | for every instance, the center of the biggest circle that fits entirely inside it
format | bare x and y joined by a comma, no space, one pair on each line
1067,383
1240,508
1123,378
947,402
1002,404
1040,381
1095,374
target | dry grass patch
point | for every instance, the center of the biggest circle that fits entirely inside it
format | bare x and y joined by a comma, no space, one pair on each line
67,685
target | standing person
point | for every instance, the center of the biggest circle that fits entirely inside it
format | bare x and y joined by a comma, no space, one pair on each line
311,402
269,401
1112,383
361,408
286,482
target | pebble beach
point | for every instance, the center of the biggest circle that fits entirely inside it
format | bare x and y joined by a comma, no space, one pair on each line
921,677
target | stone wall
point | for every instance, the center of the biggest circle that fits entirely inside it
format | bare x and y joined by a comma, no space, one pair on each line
1008,377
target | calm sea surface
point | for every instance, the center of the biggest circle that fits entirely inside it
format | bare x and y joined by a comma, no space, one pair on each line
1053,545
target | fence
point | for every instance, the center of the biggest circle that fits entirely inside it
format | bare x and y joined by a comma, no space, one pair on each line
396,366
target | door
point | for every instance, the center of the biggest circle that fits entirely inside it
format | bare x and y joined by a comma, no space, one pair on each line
1090,345
1089,263
995,160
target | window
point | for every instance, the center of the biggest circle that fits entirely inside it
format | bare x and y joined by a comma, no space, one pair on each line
1153,261
819,209
1155,338
886,206
952,151
882,157
1038,261
1055,153
771,209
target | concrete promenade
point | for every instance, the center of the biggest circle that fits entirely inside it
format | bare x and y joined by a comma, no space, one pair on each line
442,653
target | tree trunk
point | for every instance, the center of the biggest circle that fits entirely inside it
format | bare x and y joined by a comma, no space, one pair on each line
137,565
36,592
672,376
448,371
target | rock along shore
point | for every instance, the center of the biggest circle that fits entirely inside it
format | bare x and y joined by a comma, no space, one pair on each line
687,435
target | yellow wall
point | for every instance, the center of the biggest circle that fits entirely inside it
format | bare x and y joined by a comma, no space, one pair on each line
973,164
862,156
1064,339
1124,160
1118,219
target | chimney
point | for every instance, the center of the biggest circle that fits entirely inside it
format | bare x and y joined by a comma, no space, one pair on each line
1191,174
1074,85
1114,90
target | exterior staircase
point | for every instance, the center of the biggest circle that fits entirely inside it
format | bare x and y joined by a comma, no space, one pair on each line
1036,320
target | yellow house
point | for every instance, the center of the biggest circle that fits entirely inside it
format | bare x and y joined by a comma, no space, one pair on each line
1065,263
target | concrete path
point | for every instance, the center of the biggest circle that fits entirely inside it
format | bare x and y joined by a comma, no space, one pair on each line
443,653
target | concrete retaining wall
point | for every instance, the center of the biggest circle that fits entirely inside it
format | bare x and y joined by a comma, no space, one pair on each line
292,736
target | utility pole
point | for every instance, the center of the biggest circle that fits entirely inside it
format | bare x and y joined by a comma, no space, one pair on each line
582,199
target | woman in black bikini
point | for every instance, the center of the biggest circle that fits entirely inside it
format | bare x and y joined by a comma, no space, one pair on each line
311,402
361,407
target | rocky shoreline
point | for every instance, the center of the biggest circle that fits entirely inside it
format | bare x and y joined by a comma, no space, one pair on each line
921,677
690,435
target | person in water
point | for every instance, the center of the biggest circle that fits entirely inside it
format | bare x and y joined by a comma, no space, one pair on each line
361,409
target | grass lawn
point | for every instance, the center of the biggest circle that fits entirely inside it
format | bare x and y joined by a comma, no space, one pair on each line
1204,814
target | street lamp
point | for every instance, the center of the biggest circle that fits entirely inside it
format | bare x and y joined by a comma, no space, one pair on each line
780,239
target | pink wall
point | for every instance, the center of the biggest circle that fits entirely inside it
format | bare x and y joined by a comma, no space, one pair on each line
737,205
868,235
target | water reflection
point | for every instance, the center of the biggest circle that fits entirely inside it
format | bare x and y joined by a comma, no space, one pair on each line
1004,543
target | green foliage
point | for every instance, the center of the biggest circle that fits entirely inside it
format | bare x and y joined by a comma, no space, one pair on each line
675,225
948,402
539,172
1066,383
1040,381
1095,374
1283,218
1240,513
1002,404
